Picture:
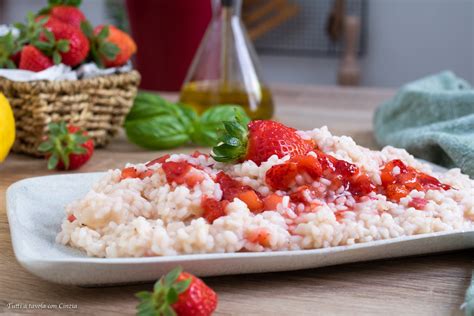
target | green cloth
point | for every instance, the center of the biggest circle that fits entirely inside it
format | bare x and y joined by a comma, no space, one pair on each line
432,118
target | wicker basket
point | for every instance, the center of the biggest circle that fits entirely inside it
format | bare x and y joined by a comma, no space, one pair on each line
99,105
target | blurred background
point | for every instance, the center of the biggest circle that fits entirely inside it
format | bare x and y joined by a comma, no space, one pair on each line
397,41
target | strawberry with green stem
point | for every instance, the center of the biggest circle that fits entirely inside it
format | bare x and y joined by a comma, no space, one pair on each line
177,293
78,42
66,147
100,47
66,11
36,32
258,141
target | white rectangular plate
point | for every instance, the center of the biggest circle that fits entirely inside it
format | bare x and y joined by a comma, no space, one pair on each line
36,209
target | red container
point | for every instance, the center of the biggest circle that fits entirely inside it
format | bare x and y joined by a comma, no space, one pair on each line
167,35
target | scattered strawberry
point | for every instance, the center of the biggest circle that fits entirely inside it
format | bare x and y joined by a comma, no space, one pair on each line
126,46
66,147
33,59
178,293
258,141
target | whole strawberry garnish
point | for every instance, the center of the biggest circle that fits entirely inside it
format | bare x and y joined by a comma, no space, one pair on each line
259,141
78,44
66,147
33,59
178,293
66,11
123,41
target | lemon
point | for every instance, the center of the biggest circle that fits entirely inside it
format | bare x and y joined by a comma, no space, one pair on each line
7,127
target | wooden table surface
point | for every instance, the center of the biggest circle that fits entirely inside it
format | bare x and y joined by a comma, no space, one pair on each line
425,285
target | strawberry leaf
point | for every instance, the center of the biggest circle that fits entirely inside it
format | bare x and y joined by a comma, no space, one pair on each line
182,286
168,311
143,295
74,3
171,277
172,296
87,29
109,50
53,161
63,46
232,143
8,47
46,146
56,58
104,32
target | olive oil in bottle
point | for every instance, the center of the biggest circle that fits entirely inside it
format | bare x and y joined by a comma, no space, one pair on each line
225,68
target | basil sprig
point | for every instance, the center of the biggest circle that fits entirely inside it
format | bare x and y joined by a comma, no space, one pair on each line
155,123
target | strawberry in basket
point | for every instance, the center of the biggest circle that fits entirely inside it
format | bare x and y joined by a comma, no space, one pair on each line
60,33
110,47
52,42
65,11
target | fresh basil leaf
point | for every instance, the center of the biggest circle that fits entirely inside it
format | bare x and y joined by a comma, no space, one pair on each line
188,116
157,132
211,124
147,105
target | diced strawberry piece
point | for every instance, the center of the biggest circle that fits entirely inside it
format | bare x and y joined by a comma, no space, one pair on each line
280,177
327,161
345,168
146,174
301,195
176,171
418,203
396,191
193,178
230,187
71,218
339,215
129,172
213,209
253,201
259,236
429,182
408,179
310,165
161,159
361,185
271,202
